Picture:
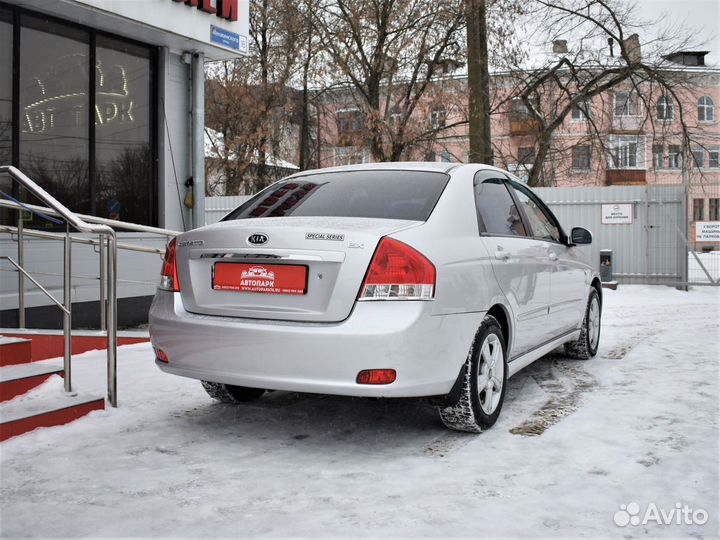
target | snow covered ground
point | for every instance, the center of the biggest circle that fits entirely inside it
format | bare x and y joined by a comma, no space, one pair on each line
575,441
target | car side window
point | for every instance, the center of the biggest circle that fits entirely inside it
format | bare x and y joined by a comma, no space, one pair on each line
497,211
542,225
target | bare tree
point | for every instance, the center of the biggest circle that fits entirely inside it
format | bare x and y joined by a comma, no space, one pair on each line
249,100
608,56
385,55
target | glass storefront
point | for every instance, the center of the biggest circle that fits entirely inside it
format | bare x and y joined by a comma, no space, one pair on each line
84,134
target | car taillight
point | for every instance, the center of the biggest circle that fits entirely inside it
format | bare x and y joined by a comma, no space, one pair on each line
168,275
398,272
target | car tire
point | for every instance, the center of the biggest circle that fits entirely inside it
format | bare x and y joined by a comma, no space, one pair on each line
476,410
228,393
586,346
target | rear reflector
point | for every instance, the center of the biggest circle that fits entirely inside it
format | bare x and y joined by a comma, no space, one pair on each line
376,376
161,356
398,272
168,276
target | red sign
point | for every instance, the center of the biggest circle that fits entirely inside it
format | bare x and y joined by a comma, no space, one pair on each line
257,278
225,9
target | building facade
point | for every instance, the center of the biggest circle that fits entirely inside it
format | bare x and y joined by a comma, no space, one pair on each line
101,103
630,135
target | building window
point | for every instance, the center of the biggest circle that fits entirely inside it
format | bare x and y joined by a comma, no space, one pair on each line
714,157
627,104
526,155
665,109
625,153
446,157
580,111
698,209
706,109
658,156
350,155
581,157
698,157
714,209
674,156
86,131
520,111
438,118
349,121
395,117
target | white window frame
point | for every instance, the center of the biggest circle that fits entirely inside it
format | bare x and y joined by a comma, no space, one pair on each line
707,104
658,163
580,112
634,114
619,152
350,155
438,117
695,152
714,150
675,159
589,157
667,105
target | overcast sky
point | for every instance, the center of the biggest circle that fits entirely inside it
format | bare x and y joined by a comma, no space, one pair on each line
700,15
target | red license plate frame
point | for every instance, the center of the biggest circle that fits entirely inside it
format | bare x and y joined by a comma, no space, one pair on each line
281,279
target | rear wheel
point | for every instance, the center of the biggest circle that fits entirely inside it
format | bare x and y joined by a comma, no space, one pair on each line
483,382
586,346
228,393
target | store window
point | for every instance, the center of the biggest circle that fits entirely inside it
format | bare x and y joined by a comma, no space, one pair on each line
86,111
123,150
6,49
54,105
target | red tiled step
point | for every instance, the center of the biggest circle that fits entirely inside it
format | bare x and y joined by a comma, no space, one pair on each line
20,379
14,350
51,345
13,425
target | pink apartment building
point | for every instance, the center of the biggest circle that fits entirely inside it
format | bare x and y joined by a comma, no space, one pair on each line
627,136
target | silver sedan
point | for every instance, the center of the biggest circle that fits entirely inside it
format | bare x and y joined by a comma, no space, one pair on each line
388,280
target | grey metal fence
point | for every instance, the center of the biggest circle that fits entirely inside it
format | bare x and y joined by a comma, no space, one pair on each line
646,227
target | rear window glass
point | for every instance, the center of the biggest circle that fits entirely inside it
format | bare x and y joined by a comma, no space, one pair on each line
410,195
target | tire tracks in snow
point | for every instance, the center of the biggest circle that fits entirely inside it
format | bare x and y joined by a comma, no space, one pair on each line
566,382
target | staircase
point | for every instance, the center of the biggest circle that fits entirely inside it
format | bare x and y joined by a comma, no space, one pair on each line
36,387
26,403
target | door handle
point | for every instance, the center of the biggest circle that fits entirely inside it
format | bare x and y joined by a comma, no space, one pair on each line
501,255
553,256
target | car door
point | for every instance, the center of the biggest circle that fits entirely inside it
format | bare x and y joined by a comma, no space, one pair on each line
568,289
518,260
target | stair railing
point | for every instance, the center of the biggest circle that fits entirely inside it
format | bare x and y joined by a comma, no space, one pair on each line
108,246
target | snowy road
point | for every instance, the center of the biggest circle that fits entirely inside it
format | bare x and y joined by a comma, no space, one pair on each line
639,423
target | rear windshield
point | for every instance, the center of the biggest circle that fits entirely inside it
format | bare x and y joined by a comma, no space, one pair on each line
408,195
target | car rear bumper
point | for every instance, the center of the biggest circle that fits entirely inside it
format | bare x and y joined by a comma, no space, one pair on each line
426,351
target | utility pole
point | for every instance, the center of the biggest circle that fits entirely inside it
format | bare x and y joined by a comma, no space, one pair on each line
478,83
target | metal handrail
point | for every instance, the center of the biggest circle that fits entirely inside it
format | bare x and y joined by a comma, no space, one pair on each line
124,225
109,242
79,240
38,285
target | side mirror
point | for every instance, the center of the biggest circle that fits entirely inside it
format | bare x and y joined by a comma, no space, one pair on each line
579,236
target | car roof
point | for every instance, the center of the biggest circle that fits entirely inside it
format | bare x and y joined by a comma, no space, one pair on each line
430,166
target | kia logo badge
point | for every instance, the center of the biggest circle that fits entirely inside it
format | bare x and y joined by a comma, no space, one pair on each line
257,239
